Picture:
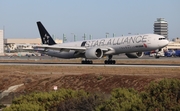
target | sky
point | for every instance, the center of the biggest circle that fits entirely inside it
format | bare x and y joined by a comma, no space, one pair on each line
93,17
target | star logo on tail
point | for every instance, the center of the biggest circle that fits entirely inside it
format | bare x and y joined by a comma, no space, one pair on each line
46,39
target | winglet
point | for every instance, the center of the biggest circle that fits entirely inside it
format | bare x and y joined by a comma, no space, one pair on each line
45,37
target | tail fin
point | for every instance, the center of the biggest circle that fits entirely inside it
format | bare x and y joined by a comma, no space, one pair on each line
45,37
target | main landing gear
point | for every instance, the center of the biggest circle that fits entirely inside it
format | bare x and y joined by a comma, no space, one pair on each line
110,61
86,61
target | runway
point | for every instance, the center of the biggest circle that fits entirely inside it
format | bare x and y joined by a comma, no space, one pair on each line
26,61
88,65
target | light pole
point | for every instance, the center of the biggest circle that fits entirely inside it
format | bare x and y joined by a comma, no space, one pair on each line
74,36
113,34
64,38
90,37
84,36
53,36
107,34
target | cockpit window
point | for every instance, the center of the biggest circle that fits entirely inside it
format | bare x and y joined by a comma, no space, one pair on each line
162,38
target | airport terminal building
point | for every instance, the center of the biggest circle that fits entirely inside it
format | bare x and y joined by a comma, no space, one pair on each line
13,45
1,43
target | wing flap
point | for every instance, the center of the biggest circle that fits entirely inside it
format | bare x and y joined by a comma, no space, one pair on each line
65,48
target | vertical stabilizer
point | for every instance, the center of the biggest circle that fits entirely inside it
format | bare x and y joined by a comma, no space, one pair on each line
45,37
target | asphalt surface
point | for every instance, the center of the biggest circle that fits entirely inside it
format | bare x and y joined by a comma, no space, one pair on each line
123,57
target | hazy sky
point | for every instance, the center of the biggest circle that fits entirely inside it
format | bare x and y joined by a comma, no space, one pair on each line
95,17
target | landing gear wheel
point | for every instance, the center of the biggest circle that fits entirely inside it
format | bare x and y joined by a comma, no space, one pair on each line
157,57
109,62
86,62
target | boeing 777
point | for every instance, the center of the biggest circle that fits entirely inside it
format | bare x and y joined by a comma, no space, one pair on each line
132,46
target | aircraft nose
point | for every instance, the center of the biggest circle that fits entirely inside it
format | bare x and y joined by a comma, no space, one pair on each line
166,42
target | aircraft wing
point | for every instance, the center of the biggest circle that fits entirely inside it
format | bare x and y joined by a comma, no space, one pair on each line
65,48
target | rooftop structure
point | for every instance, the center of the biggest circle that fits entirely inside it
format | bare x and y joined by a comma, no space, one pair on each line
177,40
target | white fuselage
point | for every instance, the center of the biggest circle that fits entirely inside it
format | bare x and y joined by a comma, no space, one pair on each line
113,46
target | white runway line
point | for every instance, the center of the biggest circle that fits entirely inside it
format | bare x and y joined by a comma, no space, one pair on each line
89,65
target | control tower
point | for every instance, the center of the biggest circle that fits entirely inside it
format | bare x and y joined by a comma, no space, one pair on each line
161,27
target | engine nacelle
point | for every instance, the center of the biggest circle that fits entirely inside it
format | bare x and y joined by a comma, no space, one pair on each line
93,53
135,55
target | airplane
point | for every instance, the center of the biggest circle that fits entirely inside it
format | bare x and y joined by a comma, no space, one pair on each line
133,46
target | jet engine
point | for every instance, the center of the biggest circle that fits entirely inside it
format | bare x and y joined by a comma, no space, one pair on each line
135,55
93,53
